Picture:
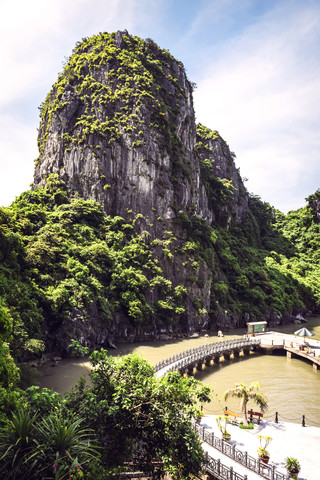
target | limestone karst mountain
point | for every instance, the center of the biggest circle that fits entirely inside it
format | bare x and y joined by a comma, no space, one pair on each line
139,225
119,127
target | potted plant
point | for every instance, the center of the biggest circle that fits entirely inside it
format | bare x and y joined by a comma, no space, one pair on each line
263,453
293,467
198,414
222,424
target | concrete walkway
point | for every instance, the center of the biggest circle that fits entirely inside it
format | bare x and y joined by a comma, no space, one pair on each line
305,348
288,440
276,338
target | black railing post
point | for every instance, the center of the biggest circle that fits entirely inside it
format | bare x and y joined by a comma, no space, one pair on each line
303,421
276,419
251,415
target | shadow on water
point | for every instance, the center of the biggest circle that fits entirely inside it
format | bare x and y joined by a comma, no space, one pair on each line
176,345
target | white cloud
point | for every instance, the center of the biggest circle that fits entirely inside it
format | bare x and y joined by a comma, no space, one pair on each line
35,37
18,150
263,95
261,89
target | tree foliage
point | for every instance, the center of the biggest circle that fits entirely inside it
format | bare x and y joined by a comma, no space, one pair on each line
140,416
125,415
245,394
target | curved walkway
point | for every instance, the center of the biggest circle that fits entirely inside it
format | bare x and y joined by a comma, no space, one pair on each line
187,361
288,440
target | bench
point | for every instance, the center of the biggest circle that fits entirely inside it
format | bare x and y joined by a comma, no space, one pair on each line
231,414
253,414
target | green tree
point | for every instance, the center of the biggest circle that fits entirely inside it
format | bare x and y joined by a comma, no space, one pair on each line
49,447
141,416
17,440
246,393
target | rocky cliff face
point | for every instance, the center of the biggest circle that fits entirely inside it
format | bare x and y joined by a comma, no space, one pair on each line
119,127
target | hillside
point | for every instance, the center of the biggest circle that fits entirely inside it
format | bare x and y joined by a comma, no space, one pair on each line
139,225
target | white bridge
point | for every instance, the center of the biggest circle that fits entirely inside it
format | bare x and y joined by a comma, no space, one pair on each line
206,355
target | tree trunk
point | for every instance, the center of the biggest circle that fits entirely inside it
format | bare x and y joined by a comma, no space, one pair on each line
244,412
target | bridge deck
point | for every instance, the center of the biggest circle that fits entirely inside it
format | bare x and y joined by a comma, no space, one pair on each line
292,343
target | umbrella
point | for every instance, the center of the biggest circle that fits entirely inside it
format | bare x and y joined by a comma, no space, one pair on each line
304,332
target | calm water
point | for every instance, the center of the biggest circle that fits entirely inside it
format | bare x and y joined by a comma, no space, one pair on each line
291,385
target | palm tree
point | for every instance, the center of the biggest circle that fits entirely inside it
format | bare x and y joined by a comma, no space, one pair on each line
246,393
33,448
16,443
62,442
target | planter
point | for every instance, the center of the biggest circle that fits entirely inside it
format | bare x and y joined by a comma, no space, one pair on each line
293,467
226,438
264,460
293,473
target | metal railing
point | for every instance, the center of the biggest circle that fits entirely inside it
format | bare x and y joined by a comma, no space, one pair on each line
221,471
188,357
214,466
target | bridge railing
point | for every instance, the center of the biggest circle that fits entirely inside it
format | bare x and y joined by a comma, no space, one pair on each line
187,357
214,466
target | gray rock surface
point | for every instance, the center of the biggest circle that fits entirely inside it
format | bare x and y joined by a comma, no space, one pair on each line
150,164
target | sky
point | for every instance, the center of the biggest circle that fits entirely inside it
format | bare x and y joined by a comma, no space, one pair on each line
256,64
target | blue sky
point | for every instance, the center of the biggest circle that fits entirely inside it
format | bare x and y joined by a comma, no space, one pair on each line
256,64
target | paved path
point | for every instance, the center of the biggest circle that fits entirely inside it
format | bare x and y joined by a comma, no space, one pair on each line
293,345
288,440
277,338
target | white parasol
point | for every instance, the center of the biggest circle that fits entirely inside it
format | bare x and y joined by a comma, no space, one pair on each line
304,332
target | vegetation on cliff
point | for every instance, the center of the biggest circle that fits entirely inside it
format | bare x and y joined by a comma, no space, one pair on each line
119,88
60,256
190,250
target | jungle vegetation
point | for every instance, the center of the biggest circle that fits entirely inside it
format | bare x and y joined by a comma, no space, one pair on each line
60,255
125,415
59,252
